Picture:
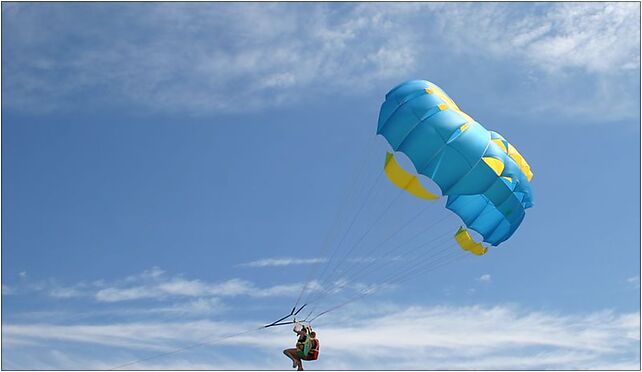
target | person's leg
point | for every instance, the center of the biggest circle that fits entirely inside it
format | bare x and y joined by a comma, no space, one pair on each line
287,354
299,362
291,353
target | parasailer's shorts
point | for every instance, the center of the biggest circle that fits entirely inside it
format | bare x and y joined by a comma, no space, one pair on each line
300,354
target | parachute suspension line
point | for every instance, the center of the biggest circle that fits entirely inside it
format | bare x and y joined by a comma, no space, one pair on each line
360,209
422,259
395,280
360,171
427,246
372,287
360,240
206,341
400,278
403,226
435,260
356,298
428,228
452,257
389,252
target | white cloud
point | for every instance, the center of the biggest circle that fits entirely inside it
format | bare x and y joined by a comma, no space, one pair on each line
156,284
202,58
596,37
443,337
269,262
485,278
147,335
6,290
65,292
199,306
124,294
151,274
182,287
634,281
162,287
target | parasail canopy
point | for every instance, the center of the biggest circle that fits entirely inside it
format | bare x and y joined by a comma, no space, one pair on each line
486,179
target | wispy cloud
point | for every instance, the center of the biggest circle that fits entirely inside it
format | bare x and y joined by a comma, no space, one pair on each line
450,337
485,278
156,284
634,281
595,37
178,287
270,262
201,58
65,293
6,290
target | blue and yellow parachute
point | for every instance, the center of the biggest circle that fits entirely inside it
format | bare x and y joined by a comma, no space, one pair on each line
486,179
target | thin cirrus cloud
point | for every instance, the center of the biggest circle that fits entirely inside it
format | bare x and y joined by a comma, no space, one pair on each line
179,287
154,284
443,337
203,58
598,37
272,262
634,281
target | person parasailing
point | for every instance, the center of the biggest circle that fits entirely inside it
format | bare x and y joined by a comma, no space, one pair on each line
307,346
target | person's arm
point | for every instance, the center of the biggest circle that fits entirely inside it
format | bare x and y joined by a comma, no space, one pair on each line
301,342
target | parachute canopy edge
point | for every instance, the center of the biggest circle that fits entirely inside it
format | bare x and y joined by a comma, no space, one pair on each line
467,243
406,180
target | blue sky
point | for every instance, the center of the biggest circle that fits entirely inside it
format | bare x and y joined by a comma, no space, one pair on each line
172,170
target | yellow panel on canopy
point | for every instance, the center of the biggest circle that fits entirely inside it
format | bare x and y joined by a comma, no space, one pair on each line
406,180
466,242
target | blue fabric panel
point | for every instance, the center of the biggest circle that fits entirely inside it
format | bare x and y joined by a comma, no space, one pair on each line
435,163
519,196
406,118
399,125
486,222
513,227
422,104
510,184
457,167
495,135
476,181
467,207
496,152
472,143
498,191
422,145
479,214
511,169
446,123
500,233
402,90
389,109
525,188
510,208
386,110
